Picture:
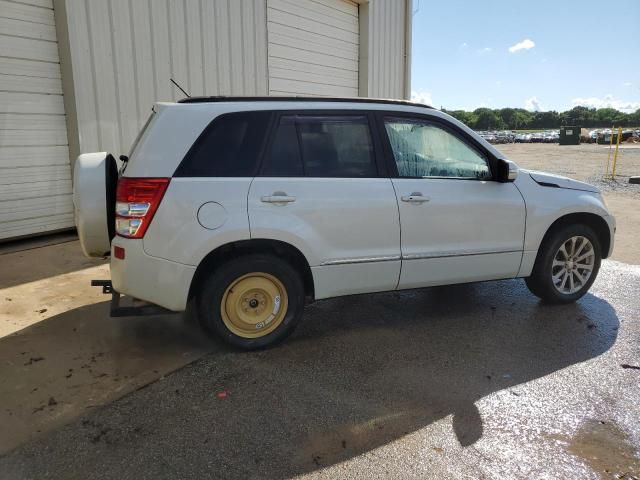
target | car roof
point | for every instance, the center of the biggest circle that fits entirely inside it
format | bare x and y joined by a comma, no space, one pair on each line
222,99
205,108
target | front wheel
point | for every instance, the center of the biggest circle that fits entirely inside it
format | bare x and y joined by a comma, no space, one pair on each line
252,301
567,265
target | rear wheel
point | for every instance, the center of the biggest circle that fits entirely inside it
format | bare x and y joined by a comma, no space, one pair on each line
252,302
567,265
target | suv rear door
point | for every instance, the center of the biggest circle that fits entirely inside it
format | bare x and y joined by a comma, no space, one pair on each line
322,189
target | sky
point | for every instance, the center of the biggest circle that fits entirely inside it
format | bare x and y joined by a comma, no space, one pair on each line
538,55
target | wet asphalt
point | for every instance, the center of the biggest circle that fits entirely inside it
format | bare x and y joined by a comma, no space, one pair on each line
466,381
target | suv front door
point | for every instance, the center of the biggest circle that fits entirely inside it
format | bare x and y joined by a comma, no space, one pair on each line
320,189
457,224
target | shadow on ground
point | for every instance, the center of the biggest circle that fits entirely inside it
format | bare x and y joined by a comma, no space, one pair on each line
59,368
360,372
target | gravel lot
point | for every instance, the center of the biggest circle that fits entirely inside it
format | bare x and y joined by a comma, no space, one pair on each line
588,163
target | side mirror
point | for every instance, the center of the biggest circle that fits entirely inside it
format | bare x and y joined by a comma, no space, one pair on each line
507,171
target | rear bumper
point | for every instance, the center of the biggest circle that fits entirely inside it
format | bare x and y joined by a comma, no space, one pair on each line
148,278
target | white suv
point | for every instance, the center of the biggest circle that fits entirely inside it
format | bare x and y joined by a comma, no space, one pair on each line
251,207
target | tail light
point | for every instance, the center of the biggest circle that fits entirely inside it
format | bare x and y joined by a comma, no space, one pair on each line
137,200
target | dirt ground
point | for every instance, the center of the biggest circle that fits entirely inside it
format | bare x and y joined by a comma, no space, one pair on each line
588,163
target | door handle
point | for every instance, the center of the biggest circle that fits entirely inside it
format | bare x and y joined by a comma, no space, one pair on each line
415,197
277,197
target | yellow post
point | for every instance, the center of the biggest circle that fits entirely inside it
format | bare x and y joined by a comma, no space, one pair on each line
615,155
609,156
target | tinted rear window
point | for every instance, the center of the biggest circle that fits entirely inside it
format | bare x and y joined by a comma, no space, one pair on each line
284,159
228,147
321,146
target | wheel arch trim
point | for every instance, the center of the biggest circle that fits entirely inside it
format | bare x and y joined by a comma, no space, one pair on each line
231,250
603,228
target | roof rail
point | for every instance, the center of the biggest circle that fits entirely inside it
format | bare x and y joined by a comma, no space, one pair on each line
302,99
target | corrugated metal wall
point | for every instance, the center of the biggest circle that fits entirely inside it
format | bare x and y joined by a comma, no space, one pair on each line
35,179
386,48
313,47
118,56
123,53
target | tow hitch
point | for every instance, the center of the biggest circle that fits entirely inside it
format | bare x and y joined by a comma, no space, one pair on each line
128,311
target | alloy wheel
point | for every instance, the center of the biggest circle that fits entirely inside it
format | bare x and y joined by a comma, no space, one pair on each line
573,265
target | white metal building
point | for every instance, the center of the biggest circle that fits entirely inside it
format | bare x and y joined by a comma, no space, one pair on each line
81,75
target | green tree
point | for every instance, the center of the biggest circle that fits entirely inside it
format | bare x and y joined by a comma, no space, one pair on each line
633,119
519,118
550,119
488,119
580,116
516,118
523,119
508,117
468,118
606,116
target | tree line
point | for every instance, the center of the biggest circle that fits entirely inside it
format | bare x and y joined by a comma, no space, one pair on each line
521,119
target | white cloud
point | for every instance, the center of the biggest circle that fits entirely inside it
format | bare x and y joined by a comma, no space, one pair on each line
484,51
463,45
526,44
532,104
628,84
486,103
421,96
608,101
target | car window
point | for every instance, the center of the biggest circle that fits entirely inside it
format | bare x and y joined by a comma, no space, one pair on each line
322,146
336,146
284,159
423,149
228,147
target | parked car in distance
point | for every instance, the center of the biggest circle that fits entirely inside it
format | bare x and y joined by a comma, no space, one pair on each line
251,207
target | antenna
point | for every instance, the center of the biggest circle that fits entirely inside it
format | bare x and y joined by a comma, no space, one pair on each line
181,89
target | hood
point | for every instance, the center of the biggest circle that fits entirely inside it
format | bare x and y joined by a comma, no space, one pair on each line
558,181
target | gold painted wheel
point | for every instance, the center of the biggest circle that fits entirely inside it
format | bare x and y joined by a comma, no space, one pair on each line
254,305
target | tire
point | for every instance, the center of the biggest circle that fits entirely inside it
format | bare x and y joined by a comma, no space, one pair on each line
252,302
547,279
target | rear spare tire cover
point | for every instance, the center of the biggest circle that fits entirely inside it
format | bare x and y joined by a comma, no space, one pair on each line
95,177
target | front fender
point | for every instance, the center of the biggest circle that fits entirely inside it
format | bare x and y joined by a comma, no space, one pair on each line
546,205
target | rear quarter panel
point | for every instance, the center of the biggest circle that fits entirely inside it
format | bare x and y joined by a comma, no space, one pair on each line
167,140
178,235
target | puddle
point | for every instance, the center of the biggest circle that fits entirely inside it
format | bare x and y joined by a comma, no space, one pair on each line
606,448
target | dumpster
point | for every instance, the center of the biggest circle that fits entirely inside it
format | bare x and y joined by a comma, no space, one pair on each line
569,135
